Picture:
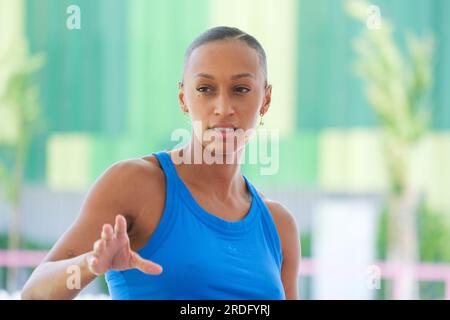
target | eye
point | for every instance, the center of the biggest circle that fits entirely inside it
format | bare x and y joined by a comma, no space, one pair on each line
241,89
204,89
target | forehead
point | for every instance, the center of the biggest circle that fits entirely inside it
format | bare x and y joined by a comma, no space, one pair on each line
224,57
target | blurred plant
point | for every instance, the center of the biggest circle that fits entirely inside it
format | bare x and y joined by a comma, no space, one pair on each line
434,236
305,243
20,118
397,88
434,244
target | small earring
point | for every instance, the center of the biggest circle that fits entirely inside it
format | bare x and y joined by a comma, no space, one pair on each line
261,123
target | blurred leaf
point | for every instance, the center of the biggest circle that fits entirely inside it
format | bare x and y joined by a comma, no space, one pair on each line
396,87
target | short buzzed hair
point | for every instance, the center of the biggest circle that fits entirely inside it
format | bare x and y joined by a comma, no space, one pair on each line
224,33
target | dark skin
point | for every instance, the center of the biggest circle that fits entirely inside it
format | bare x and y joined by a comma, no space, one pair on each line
223,81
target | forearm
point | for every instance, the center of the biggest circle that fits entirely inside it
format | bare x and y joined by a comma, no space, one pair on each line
60,280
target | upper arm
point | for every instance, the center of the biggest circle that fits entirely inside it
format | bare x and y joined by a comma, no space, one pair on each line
109,196
290,245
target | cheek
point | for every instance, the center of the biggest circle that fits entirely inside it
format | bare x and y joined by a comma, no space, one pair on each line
190,97
199,110
256,97
253,122
197,104
251,105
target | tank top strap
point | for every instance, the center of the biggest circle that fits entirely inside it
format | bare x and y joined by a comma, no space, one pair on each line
170,205
269,222
165,162
250,187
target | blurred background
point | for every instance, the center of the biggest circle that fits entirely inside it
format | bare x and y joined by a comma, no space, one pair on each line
360,97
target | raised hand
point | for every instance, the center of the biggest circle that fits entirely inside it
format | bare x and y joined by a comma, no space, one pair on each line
112,252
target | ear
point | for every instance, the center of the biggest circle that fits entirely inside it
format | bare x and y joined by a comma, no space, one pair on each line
181,97
267,99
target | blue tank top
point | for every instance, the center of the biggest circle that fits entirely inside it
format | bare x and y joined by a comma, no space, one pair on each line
204,256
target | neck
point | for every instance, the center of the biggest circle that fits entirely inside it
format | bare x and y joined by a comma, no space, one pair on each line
222,180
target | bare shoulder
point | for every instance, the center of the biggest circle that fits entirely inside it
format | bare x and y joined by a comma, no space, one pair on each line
144,180
128,180
283,218
286,225
139,167
149,169
290,245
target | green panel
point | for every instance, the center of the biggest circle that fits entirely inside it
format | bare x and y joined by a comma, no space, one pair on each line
104,153
35,165
299,156
441,94
330,95
38,29
70,81
421,17
351,160
113,65
108,149
83,84
297,163
69,161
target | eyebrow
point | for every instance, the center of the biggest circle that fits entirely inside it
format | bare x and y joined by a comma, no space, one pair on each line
234,77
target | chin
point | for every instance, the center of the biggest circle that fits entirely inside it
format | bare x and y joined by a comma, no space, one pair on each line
224,148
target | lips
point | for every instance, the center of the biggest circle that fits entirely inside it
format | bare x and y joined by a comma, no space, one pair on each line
223,126
223,129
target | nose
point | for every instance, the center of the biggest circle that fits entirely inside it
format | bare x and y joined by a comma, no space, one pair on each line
223,105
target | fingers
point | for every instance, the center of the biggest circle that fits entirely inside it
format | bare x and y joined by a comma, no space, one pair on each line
92,262
146,266
107,232
120,228
99,247
93,258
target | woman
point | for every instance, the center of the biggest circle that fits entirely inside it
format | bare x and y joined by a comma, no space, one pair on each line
185,229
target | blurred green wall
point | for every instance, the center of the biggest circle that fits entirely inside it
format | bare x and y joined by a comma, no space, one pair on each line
109,90
329,93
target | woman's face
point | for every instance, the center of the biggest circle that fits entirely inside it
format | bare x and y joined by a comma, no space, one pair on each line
224,86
